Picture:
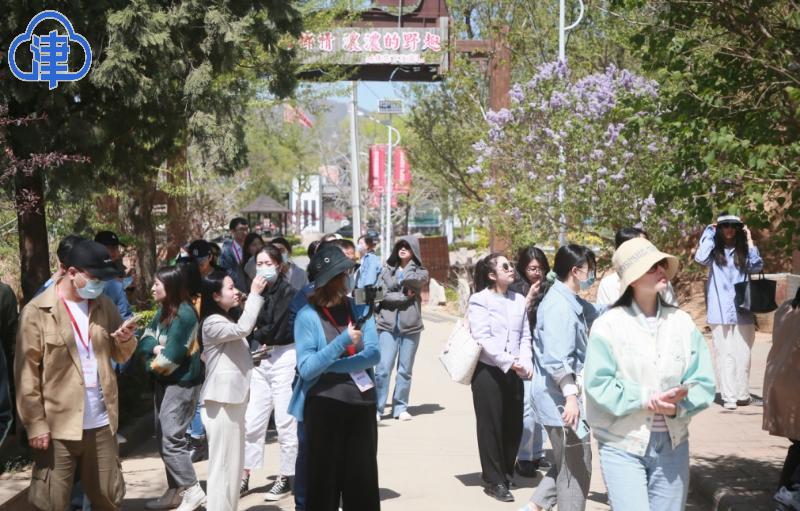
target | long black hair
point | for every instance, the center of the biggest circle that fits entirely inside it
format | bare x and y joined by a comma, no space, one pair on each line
567,258
174,282
191,274
739,247
796,301
627,234
528,254
483,268
248,240
212,283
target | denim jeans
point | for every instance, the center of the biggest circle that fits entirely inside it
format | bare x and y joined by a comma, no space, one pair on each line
300,469
403,348
531,446
657,481
196,429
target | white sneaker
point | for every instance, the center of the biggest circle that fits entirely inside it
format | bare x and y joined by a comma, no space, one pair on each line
192,498
377,416
404,416
790,499
730,405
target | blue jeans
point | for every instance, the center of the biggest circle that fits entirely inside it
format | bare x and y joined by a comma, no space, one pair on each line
403,348
657,481
196,428
531,446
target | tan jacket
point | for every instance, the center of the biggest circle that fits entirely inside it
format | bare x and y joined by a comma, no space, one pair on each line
782,377
47,370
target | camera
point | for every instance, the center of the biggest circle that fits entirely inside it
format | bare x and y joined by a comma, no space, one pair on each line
369,295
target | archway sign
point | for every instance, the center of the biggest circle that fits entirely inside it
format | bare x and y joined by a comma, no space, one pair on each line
410,36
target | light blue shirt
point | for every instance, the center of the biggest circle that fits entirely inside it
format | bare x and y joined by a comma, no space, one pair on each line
720,291
114,290
563,320
315,355
369,270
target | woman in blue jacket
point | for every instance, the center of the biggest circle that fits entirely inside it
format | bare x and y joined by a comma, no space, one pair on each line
335,393
563,320
728,250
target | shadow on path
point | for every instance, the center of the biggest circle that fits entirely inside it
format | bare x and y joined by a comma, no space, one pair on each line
735,483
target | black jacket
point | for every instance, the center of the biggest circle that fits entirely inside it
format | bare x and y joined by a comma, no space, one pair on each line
272,325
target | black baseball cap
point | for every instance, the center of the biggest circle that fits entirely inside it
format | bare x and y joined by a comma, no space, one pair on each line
92,257
199,249
108,239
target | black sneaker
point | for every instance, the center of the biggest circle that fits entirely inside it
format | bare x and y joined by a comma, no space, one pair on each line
499,492
280,488
753,401
198,449
244,486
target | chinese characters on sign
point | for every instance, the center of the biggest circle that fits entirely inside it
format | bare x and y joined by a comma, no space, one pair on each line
358,46
50,52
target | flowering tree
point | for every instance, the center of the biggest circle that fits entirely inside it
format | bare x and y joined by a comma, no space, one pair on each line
584,154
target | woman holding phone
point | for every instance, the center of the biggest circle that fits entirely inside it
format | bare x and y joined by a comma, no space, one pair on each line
648,371
171,352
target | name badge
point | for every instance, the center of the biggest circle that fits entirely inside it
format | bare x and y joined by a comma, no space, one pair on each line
89,372
362,380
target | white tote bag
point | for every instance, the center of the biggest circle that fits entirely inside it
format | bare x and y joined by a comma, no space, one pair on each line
460,354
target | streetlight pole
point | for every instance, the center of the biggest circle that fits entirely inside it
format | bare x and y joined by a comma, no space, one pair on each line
562,56
388,228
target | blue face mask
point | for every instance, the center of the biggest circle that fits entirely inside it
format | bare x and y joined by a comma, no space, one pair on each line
586,284
269,273
92,289
126,282
285,257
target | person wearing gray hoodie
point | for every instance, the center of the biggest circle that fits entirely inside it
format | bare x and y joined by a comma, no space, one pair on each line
399,323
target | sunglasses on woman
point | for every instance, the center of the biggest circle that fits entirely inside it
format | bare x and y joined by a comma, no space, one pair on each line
507,267
662,263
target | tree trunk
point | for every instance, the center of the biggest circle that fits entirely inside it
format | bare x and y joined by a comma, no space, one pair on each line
34,253
178,225
139,215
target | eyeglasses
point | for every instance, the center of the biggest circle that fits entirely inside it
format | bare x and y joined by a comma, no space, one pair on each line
662,263
534,269
507,267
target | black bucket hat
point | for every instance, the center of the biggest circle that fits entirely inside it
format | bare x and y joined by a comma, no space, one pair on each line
327,263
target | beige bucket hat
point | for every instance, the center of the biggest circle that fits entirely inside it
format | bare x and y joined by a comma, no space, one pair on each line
634,257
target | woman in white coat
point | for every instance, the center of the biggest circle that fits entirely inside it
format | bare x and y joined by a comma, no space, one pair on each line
227,385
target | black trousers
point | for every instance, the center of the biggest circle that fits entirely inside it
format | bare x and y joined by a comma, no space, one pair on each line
342,447
790,474
497,398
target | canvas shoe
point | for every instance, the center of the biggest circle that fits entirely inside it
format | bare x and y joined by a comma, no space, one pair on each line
192,498
280,488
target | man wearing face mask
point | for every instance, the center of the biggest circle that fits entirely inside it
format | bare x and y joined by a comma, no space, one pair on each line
271,380
67,392
295,275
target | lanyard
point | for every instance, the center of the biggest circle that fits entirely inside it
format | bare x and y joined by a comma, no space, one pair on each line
86,344
237,253
351,350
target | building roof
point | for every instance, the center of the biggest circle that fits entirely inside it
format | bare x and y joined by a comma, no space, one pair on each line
265,204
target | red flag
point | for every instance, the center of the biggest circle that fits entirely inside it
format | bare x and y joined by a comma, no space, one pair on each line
296,115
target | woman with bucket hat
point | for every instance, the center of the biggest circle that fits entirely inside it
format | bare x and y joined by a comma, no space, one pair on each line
648,371
727,249
334,396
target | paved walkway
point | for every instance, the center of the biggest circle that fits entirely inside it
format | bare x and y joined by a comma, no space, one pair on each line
431,462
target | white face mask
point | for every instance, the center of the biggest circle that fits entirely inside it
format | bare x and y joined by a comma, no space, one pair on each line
269,273
285,257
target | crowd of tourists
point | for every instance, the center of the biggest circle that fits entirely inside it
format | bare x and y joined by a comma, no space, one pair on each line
242,337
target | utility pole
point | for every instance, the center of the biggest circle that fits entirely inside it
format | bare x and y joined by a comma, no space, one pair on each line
355,188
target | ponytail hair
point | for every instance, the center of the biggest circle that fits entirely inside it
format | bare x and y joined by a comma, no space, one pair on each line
483,268
567,258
